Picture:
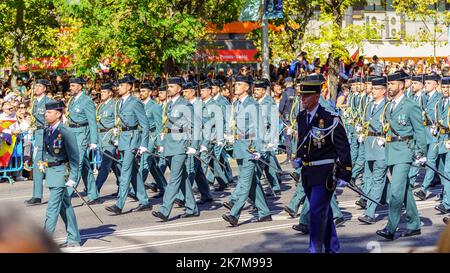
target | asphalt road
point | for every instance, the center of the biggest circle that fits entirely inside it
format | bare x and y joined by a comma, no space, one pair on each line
141,232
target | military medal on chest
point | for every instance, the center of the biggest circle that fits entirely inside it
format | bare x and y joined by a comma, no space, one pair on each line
57,144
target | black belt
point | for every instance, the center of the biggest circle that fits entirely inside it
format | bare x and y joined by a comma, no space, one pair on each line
129,128
398,138
181,130
375,134
56,163
104,130
78,125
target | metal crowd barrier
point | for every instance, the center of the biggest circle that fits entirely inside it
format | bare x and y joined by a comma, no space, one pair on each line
15,162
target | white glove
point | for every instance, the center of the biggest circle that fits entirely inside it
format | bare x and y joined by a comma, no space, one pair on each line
92,146
220,143
381,141
115,131
142,150
161,149
421,160
70,183
256,156
289,131
341,183
271,146
229,138
203,149
191,151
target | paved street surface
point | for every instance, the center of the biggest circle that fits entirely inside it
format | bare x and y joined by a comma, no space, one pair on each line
141,232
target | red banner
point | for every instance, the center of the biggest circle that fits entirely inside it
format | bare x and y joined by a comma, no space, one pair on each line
231,55
50,63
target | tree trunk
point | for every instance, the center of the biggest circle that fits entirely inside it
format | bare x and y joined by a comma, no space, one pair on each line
333,71
17,43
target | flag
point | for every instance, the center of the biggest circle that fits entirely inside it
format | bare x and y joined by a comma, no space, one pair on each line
8,142
273,9
355,55
250,12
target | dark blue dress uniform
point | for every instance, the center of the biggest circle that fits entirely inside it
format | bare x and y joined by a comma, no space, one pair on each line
325,153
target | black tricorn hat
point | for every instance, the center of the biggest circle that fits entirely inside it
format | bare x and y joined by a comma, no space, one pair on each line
127,79
147,85
379,81
247,79
43,82
78,80
399,75
176,80
55,105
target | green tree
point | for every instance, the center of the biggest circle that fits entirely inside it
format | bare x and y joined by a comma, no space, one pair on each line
433,20
28,29
141,35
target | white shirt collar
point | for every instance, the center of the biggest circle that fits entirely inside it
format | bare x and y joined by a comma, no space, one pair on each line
431,93
40,98
397,100
55,126
216,96
108,100
147,100
206,101
174,99
261,99
193,100
124,98
243,99
77,96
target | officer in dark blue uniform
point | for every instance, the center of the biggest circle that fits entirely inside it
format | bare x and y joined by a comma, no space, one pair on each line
324,154
287,103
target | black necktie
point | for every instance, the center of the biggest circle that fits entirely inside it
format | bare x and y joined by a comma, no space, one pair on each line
308,120
373,108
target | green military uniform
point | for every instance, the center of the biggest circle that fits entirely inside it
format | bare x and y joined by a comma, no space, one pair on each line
82,124
154,115
375,155
246,137
38,111
403,125
133,134
177,137
431,134
106,117
60,148
442,117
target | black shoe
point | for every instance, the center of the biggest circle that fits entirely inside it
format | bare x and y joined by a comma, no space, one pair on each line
152,186
33,201
441,208
421,195
385,234
133,196
228,205
301,228
220,188
230,219
409,233
366,219
94,202
295,176
142,208
195,191
361,203
179,203
440,197
159,195
267,218
277,193
339,221
289,211
69,244
114,209
446,220
115,194
189,215
160,215
201,202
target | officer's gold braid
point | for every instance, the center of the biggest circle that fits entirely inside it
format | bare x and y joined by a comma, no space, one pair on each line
164,116
293,121
363,119
385,126
232,121
67,109
96,112
116,114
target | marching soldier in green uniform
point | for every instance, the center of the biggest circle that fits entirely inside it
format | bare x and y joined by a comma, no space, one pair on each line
196,172
442,117
150,161
375,170
419,97
106,118
133,136
244,133
177,143
213,132
431,84
38,123
60,149
405,143
269,131
82,123
223,102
